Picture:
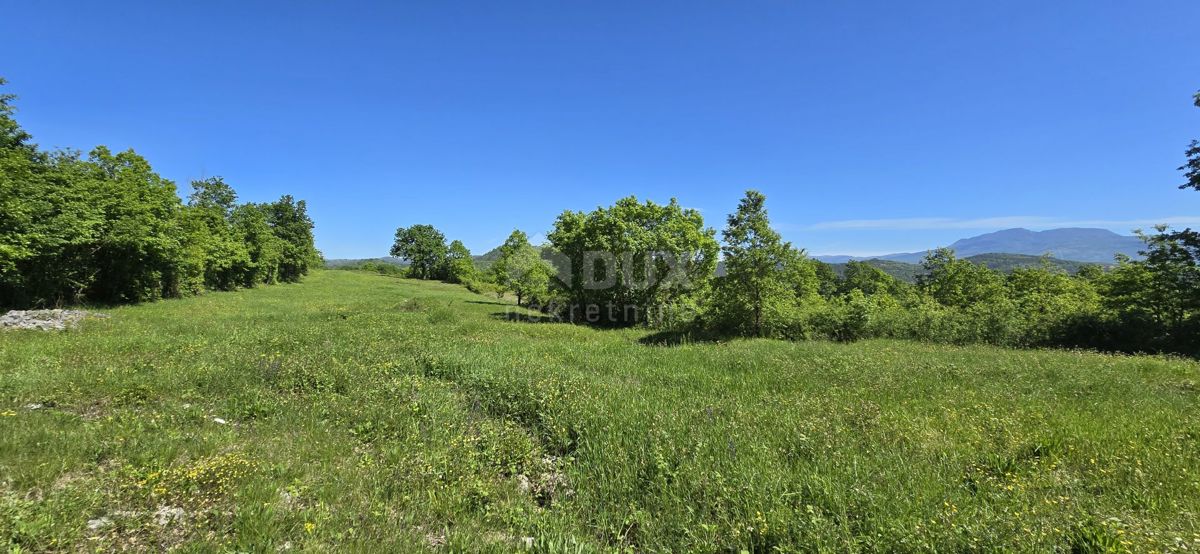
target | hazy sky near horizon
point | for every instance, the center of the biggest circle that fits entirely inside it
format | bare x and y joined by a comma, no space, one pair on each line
872,127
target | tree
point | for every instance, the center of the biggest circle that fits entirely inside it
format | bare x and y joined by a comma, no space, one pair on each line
1166,283
27,200
1191,169
460,267
758,286
424,247
136,243
210,211
108,228
868,279
827,279
289,222
520,268
251,222
958,283
630,262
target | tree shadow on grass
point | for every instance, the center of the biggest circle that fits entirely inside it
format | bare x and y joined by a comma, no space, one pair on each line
680,338
490,303
526,318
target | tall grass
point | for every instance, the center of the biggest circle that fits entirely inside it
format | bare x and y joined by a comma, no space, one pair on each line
363,412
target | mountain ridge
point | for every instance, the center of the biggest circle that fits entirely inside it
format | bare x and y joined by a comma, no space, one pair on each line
1076,244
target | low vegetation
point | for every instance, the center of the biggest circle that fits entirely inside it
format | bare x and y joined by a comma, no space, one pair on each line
358,411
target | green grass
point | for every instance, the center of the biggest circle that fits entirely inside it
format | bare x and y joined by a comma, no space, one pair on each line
369,413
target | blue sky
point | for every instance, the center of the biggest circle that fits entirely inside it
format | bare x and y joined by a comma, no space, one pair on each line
872,127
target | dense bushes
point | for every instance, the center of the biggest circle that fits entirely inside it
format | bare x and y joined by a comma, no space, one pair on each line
1033,307
106,228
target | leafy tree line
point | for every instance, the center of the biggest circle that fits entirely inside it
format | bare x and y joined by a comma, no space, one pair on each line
107,228
665,278
642,263
519,269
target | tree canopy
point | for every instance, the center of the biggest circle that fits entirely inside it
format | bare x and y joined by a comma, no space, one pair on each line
108,228
759,286
424,248
629,262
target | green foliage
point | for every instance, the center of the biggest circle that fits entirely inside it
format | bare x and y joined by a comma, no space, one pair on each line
109,229
352,425
958,283
869,280
289,221
764,276
639,259
1191,169
520,269
424,247
460,267
376,266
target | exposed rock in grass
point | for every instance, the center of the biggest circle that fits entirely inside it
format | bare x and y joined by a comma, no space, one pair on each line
546,485
45,320
166,515
435,540
99,523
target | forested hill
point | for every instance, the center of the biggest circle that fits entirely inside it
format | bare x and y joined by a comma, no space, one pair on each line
1003,263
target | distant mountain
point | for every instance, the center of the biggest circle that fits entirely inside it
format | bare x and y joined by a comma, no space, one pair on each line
1074,244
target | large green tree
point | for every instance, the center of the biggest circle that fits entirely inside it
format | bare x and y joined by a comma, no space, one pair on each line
210,209
759,289
424,248
868,279
958,283
290,222
632,262
460,266
520,268
251,223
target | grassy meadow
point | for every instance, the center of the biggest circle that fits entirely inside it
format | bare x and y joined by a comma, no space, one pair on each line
369,413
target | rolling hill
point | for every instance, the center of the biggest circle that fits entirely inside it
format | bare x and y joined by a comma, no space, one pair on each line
1004,263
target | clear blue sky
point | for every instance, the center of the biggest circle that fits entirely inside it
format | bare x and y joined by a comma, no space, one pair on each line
871,126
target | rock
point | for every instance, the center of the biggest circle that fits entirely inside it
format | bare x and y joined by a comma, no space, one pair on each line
546,485
44,320
35,406
288,501
435,540
166,515
219,420
97,524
